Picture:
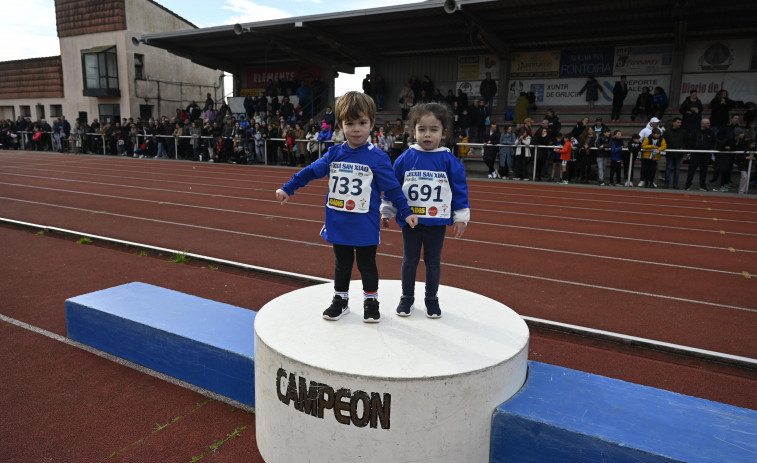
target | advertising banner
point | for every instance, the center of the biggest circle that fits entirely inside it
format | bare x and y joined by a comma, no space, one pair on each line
654,59
564,92
475,67
535,64
741,86
259,77
718,56
587,61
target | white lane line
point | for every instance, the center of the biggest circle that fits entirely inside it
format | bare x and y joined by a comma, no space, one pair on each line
617,211
184,174
320,196
618,200
614,237
549,324
607,288
20,185
466,267
186,167
253,178
644,342
126,363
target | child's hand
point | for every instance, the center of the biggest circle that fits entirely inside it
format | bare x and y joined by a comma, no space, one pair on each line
384,223
412,220
458,228
282,196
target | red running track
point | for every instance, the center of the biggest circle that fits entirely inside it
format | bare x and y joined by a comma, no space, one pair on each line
670,267
651,264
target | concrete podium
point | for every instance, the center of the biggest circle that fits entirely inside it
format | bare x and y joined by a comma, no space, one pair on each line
406,389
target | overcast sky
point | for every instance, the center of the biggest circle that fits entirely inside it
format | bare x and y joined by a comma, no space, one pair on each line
29,31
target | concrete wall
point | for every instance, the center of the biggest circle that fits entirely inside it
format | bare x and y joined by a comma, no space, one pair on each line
185,80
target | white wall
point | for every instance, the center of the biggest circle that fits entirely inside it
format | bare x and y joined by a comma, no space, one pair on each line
141,17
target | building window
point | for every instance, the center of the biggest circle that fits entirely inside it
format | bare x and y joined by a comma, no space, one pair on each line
100,70
25,110
56,110
40,109
109,113
139,66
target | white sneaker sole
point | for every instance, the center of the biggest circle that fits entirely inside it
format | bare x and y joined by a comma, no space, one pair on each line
333,319
403,314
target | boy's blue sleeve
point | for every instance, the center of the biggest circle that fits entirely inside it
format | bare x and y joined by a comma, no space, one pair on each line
314,171
389,184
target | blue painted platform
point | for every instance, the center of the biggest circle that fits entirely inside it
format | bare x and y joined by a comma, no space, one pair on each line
562,415
202,342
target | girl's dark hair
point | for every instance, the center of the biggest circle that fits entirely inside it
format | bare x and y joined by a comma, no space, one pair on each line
438,110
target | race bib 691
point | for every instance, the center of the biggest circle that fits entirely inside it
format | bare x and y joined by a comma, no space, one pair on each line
428,193
350,187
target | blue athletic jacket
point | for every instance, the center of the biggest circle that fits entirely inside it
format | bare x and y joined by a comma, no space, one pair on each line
428,179
357,176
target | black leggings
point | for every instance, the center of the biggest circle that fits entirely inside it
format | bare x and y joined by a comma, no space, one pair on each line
366,264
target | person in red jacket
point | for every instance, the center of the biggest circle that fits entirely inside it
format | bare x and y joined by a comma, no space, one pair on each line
565,153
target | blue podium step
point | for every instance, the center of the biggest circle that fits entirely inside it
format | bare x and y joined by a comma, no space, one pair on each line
563,415
206,343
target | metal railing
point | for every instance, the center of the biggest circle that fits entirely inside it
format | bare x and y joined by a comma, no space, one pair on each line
633,163
530,149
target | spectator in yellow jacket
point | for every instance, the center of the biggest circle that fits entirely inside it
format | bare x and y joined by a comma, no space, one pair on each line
652,148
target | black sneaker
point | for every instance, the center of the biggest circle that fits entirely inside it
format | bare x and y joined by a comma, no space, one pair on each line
371,312
405,306
432,308
337,308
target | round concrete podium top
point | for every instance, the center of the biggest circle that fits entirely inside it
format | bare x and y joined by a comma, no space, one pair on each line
474,333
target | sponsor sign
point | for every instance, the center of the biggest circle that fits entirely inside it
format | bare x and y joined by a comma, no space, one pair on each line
718,56
654,59
475,67
741,86
259,77
535,64
587,61
564,92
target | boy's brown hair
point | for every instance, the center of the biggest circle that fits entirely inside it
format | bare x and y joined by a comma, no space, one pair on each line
352,105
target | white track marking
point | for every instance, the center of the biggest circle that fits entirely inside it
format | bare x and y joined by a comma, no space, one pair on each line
671,243
618,200
320,196
126,363
617,211
606,335
622,203
466,267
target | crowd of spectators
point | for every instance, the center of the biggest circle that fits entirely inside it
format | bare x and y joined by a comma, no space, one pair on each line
273,130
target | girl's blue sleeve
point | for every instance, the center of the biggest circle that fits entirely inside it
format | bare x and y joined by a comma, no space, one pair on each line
457,183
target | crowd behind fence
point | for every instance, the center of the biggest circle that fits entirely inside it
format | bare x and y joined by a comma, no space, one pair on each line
532,153
537,158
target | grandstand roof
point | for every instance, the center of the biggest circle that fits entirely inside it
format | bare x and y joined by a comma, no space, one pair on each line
349,39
